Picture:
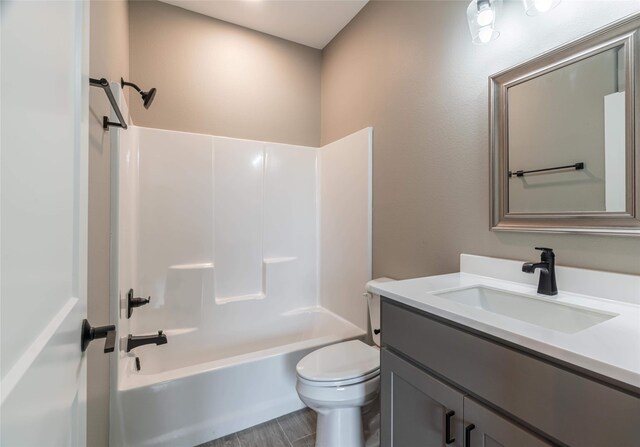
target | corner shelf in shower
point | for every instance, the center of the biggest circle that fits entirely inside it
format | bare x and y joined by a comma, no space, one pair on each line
266,262
201,266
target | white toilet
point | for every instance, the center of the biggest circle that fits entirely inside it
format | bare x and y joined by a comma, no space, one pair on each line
338,380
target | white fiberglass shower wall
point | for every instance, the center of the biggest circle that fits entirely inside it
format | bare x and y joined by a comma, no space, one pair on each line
253,254
221,221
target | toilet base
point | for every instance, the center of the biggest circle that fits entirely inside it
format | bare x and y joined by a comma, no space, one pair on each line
339,410
340,427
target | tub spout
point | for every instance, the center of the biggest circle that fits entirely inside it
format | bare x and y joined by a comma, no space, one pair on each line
133,341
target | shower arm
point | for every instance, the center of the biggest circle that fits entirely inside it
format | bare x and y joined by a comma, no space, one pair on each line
104,84
130,84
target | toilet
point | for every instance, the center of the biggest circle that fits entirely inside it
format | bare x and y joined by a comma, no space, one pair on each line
338,380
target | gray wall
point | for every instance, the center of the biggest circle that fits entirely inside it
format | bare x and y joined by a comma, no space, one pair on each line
109,58
217,78
409,69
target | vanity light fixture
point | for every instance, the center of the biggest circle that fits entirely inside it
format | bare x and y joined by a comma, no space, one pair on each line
537,7
481,15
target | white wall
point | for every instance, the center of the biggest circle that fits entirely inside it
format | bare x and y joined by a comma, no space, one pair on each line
345,225
215,222
227,231
615,152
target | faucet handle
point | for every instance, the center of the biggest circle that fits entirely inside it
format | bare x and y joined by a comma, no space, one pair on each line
547,254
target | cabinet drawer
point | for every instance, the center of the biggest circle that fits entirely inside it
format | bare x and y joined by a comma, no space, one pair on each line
566,406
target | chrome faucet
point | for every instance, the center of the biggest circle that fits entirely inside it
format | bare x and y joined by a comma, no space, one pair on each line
133,341
547,265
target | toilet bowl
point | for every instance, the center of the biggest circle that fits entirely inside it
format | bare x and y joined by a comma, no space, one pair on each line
338,380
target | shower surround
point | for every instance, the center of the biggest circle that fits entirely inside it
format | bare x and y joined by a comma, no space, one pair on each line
254,254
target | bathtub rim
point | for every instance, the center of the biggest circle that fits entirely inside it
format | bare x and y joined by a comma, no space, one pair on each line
129,380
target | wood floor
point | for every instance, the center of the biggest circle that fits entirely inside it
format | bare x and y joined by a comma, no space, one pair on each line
296,429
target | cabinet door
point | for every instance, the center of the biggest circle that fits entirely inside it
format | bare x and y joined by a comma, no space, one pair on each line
484,428
416,407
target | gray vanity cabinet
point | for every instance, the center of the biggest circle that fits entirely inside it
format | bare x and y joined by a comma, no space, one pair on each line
430,366
419,410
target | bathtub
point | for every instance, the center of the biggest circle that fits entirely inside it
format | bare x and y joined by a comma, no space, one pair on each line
200,387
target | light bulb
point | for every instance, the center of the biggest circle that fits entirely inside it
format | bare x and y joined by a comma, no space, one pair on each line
481,17
543,5
485,16
537,7
485,33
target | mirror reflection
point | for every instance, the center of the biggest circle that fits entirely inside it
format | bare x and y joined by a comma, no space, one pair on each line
566,138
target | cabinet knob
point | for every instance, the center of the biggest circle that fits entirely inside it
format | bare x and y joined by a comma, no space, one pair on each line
447,427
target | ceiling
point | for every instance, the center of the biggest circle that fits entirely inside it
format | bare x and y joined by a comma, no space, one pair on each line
309,22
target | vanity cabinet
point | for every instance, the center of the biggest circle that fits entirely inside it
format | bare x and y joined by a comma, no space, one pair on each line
420,410
510,398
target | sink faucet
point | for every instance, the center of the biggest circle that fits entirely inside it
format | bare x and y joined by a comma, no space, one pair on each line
133,341
547,265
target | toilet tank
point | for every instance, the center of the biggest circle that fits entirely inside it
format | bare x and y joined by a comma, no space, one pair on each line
373,301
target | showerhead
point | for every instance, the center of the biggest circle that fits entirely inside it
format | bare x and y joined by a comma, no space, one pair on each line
147,97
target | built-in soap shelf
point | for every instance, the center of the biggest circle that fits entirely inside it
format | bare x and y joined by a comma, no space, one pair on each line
204,265
266,264
278,260
207,280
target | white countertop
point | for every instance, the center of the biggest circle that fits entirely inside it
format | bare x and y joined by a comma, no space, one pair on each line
610,348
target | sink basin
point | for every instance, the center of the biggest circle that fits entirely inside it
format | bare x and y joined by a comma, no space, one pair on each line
541,312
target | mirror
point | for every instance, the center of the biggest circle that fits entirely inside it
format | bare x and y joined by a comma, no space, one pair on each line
564,154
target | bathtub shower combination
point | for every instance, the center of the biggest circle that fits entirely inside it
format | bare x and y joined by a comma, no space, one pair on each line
253,254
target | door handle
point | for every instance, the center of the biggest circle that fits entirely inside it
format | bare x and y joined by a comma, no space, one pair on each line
467,435
447,427
90,333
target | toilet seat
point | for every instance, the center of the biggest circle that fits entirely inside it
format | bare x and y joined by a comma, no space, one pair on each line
340,364
337,383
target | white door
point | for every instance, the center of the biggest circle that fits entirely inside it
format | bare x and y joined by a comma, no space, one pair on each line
43,186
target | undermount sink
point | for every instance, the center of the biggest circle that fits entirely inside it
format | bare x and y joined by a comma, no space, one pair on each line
541,312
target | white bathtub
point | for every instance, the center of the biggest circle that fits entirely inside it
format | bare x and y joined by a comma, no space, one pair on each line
198,387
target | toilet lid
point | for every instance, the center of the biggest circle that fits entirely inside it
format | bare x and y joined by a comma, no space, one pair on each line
341,361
